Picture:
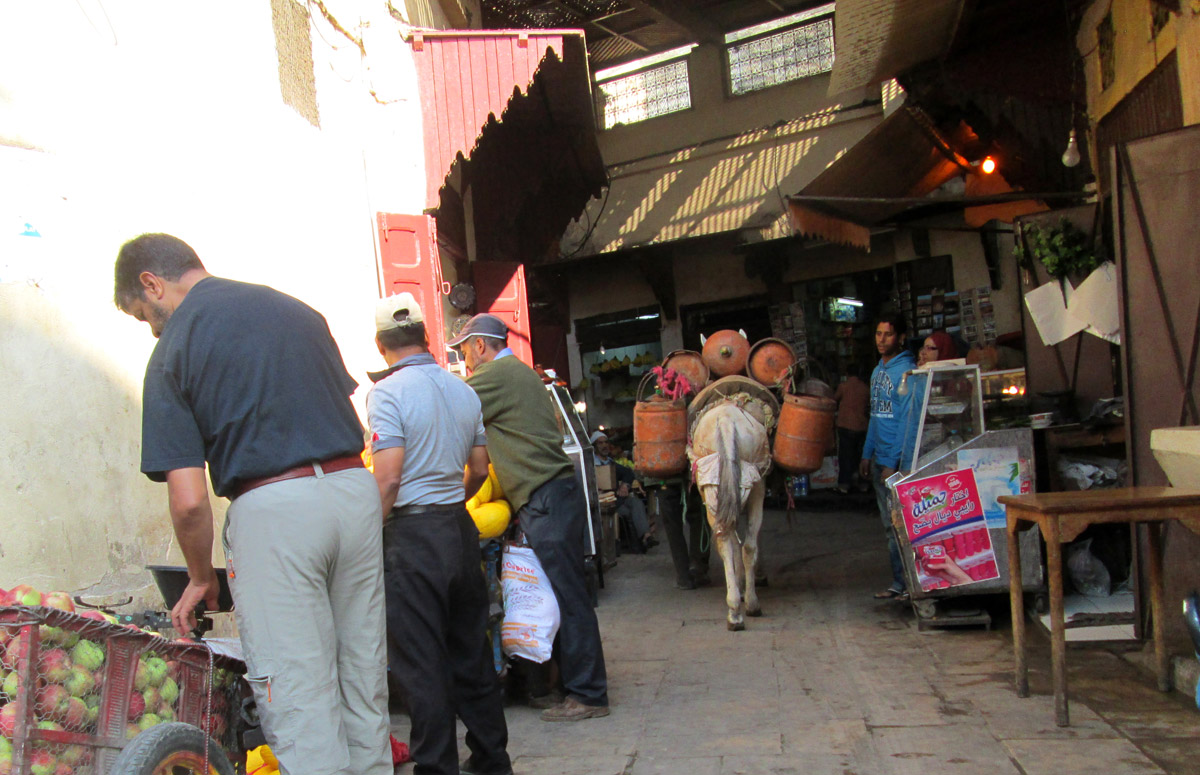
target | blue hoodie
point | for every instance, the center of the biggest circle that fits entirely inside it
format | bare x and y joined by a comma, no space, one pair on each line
885,436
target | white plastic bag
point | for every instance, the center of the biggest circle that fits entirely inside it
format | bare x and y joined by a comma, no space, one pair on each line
531,615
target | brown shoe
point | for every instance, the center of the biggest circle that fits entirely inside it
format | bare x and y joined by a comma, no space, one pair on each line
572,709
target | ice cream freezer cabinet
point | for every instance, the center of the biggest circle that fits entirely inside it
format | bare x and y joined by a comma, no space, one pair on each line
943,502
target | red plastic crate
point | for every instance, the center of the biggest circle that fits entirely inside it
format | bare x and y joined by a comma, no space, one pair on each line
40,682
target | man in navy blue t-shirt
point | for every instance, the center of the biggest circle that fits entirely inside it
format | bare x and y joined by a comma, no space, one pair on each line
249,380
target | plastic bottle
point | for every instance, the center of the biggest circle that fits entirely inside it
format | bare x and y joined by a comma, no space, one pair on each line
803,485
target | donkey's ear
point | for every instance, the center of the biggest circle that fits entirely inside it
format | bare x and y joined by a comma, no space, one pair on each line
742,331
703,339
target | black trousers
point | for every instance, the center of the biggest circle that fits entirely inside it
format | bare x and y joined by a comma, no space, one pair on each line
850,447
690,561
437,610
554,524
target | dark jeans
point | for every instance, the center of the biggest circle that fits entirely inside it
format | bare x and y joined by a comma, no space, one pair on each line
850,447
881,499
554,524
437,608
689,559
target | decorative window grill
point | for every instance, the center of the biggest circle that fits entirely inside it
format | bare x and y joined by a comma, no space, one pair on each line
645,94
1106,38
784,56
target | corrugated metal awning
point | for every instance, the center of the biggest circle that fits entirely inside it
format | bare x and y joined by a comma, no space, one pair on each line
878,39
902,157
468,78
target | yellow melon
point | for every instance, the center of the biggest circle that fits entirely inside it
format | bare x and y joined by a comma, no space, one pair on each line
491,518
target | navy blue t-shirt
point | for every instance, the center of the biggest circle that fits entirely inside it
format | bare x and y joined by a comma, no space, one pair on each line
249,380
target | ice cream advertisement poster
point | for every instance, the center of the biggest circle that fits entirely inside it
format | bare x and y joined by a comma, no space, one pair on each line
944,520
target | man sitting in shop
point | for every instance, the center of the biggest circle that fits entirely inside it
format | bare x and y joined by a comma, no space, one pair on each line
629,505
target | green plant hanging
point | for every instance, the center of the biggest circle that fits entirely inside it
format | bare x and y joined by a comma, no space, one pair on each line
1062,249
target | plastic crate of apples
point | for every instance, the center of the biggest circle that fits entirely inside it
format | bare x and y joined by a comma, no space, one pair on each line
75,687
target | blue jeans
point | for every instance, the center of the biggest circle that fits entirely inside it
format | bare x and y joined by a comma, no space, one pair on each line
881,500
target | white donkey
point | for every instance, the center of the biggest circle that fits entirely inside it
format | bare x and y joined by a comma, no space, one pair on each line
730,449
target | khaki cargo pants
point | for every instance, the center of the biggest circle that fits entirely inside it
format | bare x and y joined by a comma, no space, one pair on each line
306,571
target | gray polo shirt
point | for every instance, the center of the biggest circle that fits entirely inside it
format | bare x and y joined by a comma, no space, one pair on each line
436,418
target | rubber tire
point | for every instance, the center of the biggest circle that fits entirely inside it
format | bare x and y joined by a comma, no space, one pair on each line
147,752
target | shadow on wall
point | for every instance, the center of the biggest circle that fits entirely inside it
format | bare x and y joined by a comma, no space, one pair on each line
78,515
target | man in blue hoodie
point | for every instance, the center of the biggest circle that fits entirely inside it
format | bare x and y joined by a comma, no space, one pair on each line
883,449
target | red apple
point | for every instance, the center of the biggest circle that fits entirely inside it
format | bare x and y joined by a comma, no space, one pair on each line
74,714
132,730
51,701
80,682
173,668
6,753
60,600
23,594
74,755
5,597
88,655
92,613
63,768
17,648
42,763
8,719
137,706
55,665
48,725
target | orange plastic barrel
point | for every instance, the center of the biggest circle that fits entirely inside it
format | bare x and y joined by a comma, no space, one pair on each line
804,432
690,365
725,353
659,435
769,361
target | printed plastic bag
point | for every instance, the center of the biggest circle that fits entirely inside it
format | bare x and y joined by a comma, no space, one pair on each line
531,615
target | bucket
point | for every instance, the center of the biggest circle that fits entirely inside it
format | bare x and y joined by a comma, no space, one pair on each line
806,421
659,435
725,353
769,361
690,365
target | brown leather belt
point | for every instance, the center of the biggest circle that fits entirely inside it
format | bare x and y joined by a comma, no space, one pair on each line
333,465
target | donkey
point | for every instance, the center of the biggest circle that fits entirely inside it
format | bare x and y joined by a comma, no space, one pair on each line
730,451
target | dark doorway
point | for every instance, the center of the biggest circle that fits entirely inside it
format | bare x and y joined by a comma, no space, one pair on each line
747,314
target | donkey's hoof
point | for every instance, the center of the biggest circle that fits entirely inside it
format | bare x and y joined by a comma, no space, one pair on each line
753,612
735,627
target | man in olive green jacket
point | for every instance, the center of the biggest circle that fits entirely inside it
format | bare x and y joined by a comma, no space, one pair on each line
525,445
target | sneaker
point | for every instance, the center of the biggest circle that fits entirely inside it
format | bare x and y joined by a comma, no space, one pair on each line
572,709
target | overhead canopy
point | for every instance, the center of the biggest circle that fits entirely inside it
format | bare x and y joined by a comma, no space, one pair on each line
902,157
877,39
510,137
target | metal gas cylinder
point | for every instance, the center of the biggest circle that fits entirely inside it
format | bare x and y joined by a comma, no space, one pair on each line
770,360
690,365
804,433
659,435
725,353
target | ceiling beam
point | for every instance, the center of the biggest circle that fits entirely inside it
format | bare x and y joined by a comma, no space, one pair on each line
681,14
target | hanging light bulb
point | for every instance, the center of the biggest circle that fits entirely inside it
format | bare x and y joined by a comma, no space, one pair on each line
602,348
988,166
1070,157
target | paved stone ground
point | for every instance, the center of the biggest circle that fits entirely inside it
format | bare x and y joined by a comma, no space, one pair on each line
830,680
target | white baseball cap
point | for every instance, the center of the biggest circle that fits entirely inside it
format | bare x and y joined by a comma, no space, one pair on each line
397,311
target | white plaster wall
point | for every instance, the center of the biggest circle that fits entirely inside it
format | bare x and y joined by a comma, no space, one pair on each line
147,116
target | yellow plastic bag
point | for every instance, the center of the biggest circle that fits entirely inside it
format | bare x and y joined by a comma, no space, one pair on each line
261,761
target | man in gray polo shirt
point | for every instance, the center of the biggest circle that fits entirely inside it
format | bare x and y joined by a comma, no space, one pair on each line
426,426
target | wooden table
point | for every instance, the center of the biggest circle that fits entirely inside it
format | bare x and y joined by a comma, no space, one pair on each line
1062,516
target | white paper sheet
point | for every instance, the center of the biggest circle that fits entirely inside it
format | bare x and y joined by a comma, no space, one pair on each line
1050,314
1095,302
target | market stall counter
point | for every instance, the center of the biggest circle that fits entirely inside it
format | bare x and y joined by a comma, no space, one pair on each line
944,501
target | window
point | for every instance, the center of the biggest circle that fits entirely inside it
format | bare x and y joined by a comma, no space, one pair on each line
650,89
786,49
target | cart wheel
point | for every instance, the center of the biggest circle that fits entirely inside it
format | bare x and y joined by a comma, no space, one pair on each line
926,609
171,749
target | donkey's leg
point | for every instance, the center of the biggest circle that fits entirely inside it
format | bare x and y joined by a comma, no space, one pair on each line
754,512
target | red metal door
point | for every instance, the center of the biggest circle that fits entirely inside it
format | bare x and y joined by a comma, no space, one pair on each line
409,261
500,289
